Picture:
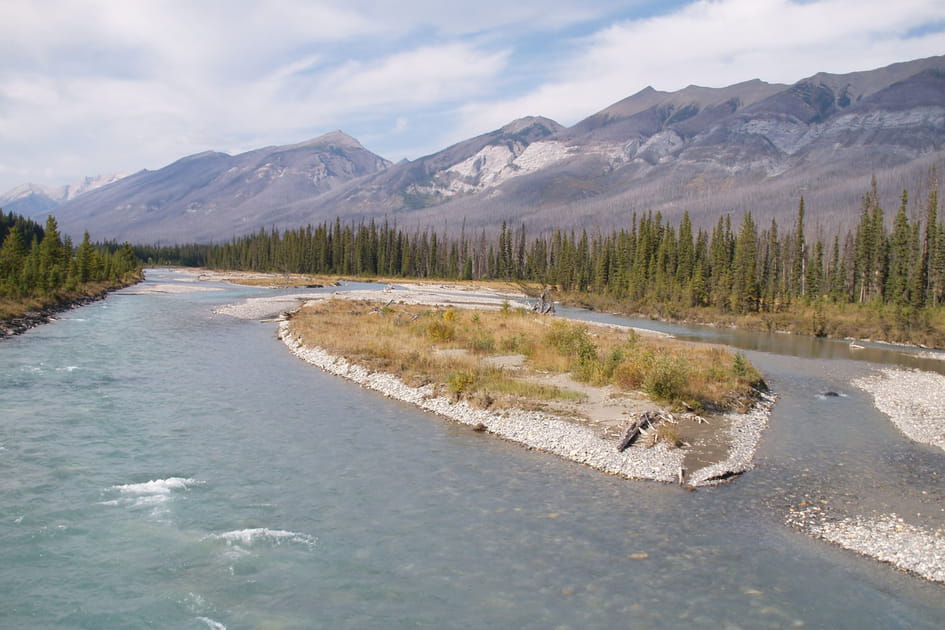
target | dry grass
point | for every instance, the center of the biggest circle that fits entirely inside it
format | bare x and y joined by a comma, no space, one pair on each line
285,281
444,346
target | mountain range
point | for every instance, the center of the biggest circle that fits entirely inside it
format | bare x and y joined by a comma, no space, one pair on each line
751,146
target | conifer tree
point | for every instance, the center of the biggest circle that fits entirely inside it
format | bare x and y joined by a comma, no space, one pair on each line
745,294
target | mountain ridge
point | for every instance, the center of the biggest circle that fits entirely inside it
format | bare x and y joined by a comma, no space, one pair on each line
750,146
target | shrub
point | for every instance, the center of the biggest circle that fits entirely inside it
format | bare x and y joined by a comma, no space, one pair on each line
460,383
483,343
567,339
669,435
632,371
586,364
514,343
666,379
439,330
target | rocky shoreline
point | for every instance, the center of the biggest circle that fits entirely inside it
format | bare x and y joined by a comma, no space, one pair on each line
19,325
914,400
549,433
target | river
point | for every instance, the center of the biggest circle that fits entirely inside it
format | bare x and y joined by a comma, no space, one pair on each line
165,467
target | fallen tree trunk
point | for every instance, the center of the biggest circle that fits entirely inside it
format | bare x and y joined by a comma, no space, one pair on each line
633,431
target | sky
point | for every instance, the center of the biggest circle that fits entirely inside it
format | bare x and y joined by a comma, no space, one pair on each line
115,86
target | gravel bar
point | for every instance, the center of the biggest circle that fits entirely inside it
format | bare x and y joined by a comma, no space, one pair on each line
886,537
914,400
745,432
548,433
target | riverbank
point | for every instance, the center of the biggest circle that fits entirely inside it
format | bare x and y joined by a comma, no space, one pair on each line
921,328
40,312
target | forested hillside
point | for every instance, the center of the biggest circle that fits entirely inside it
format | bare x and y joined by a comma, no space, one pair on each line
39,269
896,268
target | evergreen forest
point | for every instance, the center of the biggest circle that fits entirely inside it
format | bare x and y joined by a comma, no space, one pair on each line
39,268
890,267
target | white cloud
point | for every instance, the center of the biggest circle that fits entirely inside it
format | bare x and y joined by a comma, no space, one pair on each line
429,74
118,85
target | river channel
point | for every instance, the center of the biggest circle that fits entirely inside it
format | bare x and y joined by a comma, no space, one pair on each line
165,467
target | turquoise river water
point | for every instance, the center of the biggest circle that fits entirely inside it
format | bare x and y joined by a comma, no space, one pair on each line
165,467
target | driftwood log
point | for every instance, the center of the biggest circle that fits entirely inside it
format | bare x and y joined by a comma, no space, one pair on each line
633,431
647,419
544,306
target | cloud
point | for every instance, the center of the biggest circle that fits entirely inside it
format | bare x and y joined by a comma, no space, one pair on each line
718,43
104,85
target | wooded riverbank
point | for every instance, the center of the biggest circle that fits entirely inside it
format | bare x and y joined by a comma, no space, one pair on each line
22,315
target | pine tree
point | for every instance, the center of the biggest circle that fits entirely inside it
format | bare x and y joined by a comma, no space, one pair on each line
12,258
799,257
900,257
745,294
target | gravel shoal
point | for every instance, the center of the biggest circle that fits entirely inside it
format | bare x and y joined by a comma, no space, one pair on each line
886,537
263,307
545,432
914,400
745,432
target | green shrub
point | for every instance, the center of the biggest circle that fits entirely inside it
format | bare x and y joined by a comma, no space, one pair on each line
567,339
514,343
483,343
666,378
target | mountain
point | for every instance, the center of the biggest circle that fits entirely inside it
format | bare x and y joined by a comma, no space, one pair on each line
467,168
212,196
752,146
32,200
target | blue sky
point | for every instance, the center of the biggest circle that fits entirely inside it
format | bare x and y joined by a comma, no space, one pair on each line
106,86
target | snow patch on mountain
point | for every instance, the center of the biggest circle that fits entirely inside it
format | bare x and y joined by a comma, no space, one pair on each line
58,194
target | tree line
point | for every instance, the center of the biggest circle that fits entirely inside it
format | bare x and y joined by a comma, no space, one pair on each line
37,262
738,269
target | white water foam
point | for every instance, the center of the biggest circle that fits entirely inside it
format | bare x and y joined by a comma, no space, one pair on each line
249,537
157,486
213,625
153,494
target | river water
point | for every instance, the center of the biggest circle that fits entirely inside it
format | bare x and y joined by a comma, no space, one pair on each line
165,467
